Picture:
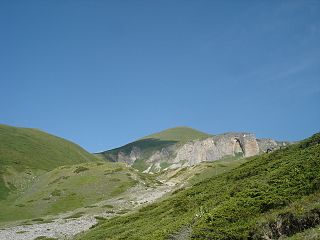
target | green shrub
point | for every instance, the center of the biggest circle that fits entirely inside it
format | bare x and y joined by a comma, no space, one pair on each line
75,215
80,169
56,193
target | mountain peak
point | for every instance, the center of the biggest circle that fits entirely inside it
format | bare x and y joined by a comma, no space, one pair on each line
178,134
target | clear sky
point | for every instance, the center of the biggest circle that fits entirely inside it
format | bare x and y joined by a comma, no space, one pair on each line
103,73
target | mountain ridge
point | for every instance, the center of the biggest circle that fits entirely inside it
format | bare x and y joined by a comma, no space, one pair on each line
179,133
183,146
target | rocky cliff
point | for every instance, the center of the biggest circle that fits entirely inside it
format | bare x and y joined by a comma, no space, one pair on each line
156,157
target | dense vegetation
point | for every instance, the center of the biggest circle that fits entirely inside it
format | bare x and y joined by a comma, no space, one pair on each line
248,202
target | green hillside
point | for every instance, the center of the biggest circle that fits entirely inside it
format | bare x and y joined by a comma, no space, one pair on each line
67,188
270,196
26,152
178,134
43,175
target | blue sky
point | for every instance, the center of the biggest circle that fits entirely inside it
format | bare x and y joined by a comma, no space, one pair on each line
103,73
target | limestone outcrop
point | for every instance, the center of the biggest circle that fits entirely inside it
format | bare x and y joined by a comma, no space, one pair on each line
216,147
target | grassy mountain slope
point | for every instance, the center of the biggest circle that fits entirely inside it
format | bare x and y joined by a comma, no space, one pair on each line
178,134
250,202
32,148
25,152
67,188
41,175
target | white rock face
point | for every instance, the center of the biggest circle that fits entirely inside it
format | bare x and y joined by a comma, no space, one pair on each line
159,156
135,153
217,147
198,151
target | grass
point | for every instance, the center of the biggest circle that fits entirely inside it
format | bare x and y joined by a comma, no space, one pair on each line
310,234
178,134
33,149
81,169
45,238
65,189
75,215
164,165
200,172
140,164
207,170
99,218
235,205
107,206
25,153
